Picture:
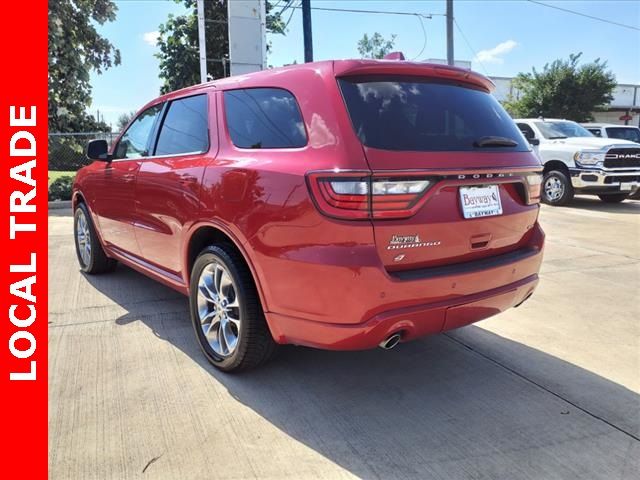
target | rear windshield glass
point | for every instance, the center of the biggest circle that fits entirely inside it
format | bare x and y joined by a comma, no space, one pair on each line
628,133
407,113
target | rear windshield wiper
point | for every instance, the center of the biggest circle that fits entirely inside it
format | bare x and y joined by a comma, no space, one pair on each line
492,141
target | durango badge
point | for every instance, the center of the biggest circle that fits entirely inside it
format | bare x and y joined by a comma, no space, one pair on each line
409,241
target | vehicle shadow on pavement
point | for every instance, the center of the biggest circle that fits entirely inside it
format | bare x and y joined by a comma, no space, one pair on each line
595,204
447,406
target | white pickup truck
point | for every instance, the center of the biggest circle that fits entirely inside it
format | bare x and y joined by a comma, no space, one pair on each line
577,162
609,130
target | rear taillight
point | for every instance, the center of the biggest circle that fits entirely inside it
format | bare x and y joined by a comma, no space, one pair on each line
359,195
348,196
533,182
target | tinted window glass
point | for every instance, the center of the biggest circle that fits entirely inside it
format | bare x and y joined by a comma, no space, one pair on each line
406,113
134,142
264,118
595,131
625,133
555,129
527,131
185,128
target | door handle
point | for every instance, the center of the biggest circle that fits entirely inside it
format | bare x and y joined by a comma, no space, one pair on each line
188,181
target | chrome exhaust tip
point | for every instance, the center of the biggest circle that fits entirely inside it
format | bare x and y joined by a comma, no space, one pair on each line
524,300
390,342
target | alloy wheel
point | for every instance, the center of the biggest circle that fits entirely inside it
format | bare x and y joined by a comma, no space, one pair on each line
219,309
83,235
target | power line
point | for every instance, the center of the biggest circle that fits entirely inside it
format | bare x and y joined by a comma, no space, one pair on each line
475,55
419,16
287,4
585,15
293,10
424,33
383,12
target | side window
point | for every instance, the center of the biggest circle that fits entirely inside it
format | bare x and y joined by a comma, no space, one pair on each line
264,118
133,143
595,131
527,131
185,128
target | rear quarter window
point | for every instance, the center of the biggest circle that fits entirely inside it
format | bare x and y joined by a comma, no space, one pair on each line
415,114
264,118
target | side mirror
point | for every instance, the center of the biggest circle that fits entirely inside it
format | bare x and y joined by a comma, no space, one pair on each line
98,150
534,141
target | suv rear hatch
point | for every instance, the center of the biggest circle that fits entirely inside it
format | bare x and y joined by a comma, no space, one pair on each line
452,179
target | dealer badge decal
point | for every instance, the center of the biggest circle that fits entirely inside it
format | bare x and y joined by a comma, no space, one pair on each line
398,242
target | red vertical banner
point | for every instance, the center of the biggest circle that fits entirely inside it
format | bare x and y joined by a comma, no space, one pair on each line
23,264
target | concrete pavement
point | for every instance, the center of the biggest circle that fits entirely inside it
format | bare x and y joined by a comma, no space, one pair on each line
550,390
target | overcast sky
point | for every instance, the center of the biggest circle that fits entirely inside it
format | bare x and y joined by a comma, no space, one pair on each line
504,38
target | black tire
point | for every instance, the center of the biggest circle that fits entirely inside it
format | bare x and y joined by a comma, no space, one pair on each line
254,345
614,197
564,181
96,261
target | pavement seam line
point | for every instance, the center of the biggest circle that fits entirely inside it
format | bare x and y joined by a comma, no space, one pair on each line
592,249
527,379
583,269
149,315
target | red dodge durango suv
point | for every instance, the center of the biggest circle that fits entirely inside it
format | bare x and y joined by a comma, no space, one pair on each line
339,204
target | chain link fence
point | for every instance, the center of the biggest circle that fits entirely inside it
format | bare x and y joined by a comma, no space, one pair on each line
67,150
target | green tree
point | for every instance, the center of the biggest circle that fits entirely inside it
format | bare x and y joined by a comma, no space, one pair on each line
563,89
124,119
375,46
178,42
75,49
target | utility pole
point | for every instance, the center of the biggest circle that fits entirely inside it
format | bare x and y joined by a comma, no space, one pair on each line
306,28
450,60
202,42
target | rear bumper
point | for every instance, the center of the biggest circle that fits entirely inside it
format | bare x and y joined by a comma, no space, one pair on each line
595,180
472,294
412,322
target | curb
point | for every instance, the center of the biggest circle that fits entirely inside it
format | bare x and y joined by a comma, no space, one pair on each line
59,204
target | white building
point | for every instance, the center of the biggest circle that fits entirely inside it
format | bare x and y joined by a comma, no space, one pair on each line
625,103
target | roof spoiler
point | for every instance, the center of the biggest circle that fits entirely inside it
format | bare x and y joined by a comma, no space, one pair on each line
399,67
394,56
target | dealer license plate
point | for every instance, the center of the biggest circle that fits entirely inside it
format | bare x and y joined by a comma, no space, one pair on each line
481,201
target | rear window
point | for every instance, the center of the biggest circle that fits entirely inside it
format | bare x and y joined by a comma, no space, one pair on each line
185,128
264,118
421,115
628,133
